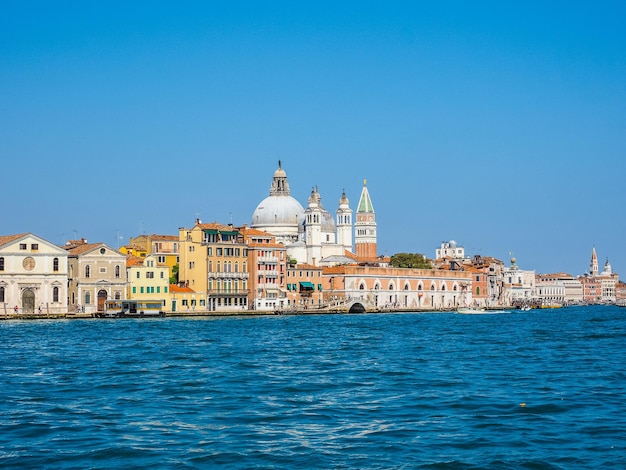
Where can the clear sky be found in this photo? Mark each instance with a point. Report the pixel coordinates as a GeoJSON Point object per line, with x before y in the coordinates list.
{"type": "Point", "coordinates": [501, 125]}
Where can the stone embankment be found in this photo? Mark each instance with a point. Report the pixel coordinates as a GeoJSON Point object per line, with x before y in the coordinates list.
{"type": "Point", "coordinates": [205, 313]}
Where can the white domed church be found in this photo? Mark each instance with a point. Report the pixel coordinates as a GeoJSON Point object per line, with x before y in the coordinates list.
{"type": "Point", "coordinates": [311, 235]}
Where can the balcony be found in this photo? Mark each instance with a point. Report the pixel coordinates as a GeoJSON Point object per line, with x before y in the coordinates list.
{"type": "Point", "coordinates": [223, 275]}
{"type": "Point", "coordinates": [227, 292]}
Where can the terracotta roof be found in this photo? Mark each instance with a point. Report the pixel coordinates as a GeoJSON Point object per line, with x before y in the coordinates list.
{"type": "Point", "coordinates": [217, 226]}
{"type": "Point", "coordinates": [4, 239]}
{"type": "Point", "coordinates": [155, 237]}
{"type": "Point", "coordinates": [334, 270]}
{"type": "Point", "coordinates": [247, 231]}
{"type": "Point", "coordinates": [80, 249]}
{"type": "Point", "coordinates": [305, 266]}
{"type": "Point", "coordinates": [175, 288]}
{"type": "Point", "coordinates": [132, 260]}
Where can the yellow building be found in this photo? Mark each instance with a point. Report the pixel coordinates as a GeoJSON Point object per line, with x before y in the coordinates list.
{"type": "Point", "coordinates": [214, 260]}
{"type": "Point", "coordinates": [147, 279]}
{"type": "Point", "coordinates": [164, 247]}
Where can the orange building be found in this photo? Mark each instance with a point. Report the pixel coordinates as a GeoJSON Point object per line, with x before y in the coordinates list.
{"type": "Point", "coordinates": [304, 286]}
{"type": "Point", "coordinates": [267, 264]}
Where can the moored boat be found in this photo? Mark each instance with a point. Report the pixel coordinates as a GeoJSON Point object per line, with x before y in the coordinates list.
{"type": "Point", "coordinates": [471, 310]}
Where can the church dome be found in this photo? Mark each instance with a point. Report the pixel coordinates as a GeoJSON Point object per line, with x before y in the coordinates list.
{"type": "Point", "coordinates": [279, 214]}
{"type": "Point", "coordinates": [277, 211]}
{"type": "Point", "coordinates": [328, 222]}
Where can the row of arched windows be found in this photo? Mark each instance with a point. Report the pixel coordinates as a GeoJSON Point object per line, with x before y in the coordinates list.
{"type": "Point", "coordinates": [407, 287]}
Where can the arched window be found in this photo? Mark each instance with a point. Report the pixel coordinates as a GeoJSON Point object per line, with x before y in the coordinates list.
{"type": "Point", "coordinates": [87, 272]}
{"type": "Point", "coordinates": [1, 294]}
{"type": "Point", "coordinates": [55, 264]}
{"type": "Point", "coordinates": [406, 287]}
{"type": "Point", "coordinates": [420, 286]}
{"type": "Point", "coordinates": [55, 294]}
{"type": "Point", "coordinates": [390, 286]}
{"type": "Point", "coordinates": [454, 288]}
{"type": "Point", "coordinates": [443, 287]}
{"type": "Point", "coordinates": [362, 286]}
{"type": "Point", "coordinates": [432, 287]}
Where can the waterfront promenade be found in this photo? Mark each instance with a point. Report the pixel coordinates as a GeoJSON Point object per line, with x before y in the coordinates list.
{"type": "Point", "coordinates": [207, 313]}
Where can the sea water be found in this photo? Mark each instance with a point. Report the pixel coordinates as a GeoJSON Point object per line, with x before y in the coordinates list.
{"type": "Point", "coordinates": [539, 389]}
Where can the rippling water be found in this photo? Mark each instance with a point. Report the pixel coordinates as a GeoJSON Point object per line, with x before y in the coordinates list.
{"type": "Point", "coordinates": [539, 389]}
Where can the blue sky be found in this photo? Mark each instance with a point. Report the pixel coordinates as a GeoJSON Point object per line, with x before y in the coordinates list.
{"type": "Point", "coordinates": [500, 125]}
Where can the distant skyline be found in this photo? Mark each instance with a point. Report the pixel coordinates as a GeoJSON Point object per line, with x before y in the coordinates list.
{"type": "Point", "coordinates": [499, 125]}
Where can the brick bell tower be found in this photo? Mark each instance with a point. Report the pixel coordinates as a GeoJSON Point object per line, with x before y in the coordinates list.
{"type": "Point", "coordinates": [365, 227]}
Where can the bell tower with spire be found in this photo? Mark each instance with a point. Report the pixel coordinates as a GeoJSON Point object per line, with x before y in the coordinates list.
{"type": "Point", "coordinates": [365, 227]}
{"type": "Point", "coordinates": [593, 265]}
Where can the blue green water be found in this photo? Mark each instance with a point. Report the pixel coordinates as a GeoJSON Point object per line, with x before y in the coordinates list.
{"type": "Point", "coordinates": [538, 389]}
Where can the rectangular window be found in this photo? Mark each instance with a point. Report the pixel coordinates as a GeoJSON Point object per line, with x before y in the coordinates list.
{"type": "Point", "coordinates": [138, 275]}
{"type": "Point", "coordinates": [209, 251]}
{"type": "Point", "coordinates": [22, 246]}
{"type": "Point", "coordinates": [158, 289]}
{"type": "Point", "coordinates": [150, 275]}
{"type": "Point", "coordinates": [103, 270]}
{"type": "Point", "coordinates": [34, 246]}
{"type": "Point", "coordinates": [2, 264]}
{"type": "Point", "coordinates": [162, 275]}
{"type": "Point", "coordinates": [141, 290]}
{"type": "Point", "coordinates": [134, 289]}
{"type": "Point", "coordinates": [218, 251]}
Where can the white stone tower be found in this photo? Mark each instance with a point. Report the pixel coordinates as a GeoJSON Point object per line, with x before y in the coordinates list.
{"type": "Point", "coordinates": [344, 223]}
{"type": "Point", "coordinates": [313, 227]}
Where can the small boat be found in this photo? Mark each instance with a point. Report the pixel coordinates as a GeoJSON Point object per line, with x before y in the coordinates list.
{"type": "Point", "coordinates": [471, 310]}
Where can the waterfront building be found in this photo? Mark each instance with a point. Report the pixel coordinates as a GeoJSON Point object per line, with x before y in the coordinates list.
{"type": "Point", "coordinates": [374, 287]}
{"type": "Point", "coordinates": [164, 247]}
{"type": "Point", "coordinates": [96, 273]}
{"type": "Point", "coordinates": [592, 289]}
{"type": "Point", "coordinates": [184, 299]}
{"type": "Point", "coordinates": [148, 280]}
{"type": "Point", "coordinates": [599, 287]}
{"type": "Point", "coordinates": [267, 267]}
{"type": "Point", "coordinates": [214, 263]}
{"type": "Point", "coordinates": [33, 275]}
{"type": "Point", "coordinates": [558, 288]}
{"type": "Point", "coordinates": [519, 286]}
{"type": "Point", "coordinates": [304, 286]}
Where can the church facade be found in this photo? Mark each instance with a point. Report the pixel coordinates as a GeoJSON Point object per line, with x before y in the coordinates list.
{"type": "Point", "coordinates": [312, 235]}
